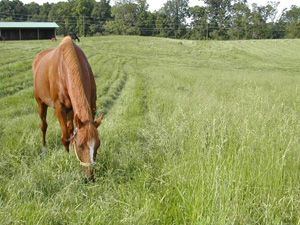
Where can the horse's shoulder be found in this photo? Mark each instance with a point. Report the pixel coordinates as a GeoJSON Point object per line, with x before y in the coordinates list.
{"type": "Point", "coordinates": [42, 58]}
{"type": "Point", "coordinates": [42, 54]}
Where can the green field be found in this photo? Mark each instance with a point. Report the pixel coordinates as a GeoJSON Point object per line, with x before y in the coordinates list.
{"type": "Point", "coordinates": [195, 132]}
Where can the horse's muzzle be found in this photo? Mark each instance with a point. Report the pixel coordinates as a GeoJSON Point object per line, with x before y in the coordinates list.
{"type": "Point", "coordinates": [89, 173]}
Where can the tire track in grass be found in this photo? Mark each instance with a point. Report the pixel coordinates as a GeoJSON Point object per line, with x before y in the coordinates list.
{"type": "Point", "coordinates": [15, 79]}
{"type": "Point", "coordinates": [12, 69]}
{"type": "Point", "coordinates": [110, 77]}
{"type": "Point", "coordinates": [24, 55]}
{"type": "Point", "coordinates": [21, 103]}
{"type": "Point", "coordinates": [127, 120]}
{"type": "Point", "coordinates": [13, 89]}
{"type": "Point", "coordinates": [109, 84]}
{"type": "Point", "coordinates": [8, 61]}
{"type": "Point", "coordinates": [111, 93]}
{"type": "Point", "coordinates": [104, 90]}
{"type": "Point", "coordinates": [18, 83]}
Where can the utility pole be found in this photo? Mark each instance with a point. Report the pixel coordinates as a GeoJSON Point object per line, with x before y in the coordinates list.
{"type": "Point", "coordinates": [207, 31]}
{"type": "Point", "coordinates": [83, 26]}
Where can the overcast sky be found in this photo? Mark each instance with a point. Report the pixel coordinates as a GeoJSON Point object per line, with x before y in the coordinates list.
{"type": "Point", "coordinates": [157, 4]}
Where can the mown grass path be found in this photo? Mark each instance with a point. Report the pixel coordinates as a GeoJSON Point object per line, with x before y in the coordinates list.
{"type": "Point", "coordinates": [195, 132]}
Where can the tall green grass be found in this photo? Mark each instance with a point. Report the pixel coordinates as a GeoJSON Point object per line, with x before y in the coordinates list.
{"type": "Point", "coordinates": [195, 132]}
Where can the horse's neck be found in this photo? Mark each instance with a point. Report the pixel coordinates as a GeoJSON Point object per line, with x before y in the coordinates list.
{"type": "Point", "coordinates": [75, 81]}
{"type": "Point", "coordinates": [79, 99]}
{"type": "Point", "coordinates": [80, 102]}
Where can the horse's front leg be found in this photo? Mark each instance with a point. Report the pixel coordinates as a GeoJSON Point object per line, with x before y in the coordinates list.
{"type": "Point", "coordinates": [61, 114]}
{"type": "Point", "coordinates": [70, 116]}
{"type": "Point", "coordinates": [43, 115]}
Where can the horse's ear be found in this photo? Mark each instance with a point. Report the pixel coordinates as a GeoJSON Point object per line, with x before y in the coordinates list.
{"type": "Point", "coordinates": [98, 121]}
{"type": "Point", "coordinates": [78, 121]}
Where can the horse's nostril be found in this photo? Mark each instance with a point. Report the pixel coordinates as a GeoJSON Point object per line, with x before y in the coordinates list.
{"type": "Point", "coordinates": [90, 179]}
{"type": "Point", "coordinates": [89, 175]}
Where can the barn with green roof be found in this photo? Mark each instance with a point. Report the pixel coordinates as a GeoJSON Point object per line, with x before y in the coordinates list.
{"type": "Point", "coordinates": [28, 30]}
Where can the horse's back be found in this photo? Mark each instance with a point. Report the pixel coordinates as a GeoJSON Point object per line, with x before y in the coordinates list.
{"type": "Point", "coordinates": [51, 69]}
{"type": "Point", "coordinates": [87, 77]}
{"type": "Point", "coordinates": [39, 58]}
{"type": "Point", "coordinates": [43, 70]}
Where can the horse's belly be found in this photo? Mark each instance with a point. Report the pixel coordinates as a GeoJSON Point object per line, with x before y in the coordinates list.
{"type": "Point", "coordinates": [49, 102]}
{"type": "Point", "coordinates": [42, 90]}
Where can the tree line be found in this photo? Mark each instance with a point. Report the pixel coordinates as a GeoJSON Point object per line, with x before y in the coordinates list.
{"type": "Point", "coordinates": [217, 19]}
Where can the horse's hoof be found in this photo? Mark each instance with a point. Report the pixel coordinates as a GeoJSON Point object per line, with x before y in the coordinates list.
{"type": "Point", "coordinates": [44, 152]}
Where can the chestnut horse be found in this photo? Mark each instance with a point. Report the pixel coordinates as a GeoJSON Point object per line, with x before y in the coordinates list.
{"type": "Point", "coordinates": [63, 79]}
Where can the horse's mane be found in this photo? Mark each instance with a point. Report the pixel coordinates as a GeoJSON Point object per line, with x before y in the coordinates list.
{"type": "Point", "coordinates": [77, 94]}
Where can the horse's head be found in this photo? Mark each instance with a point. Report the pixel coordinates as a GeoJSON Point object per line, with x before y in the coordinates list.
{"type": "Point", "coordinates": [86, 143]}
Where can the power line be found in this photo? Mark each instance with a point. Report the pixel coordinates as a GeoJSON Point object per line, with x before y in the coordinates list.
{"type": "Point", "coordinates": [87, 21]}
{"type": "Point", "coordinates": [92, 21]}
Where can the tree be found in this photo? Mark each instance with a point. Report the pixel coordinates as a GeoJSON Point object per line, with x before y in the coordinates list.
{"type": "Point", "coordinates": [83, 10]}
{"type": "Point", "coordinates": [161, 24]}
{"type": "Point", "coordinates": [33, 11]}
{"type": "Point", "coordinates": [259, 20]}
{"type": "Point", "coordinates": [145, 19]}
{"type": "Point", "coordinates": [125, 19]}
{"type": "Point", "coordinates": [100, 14]}
{"type": "Point", "coordinates": [175, 13]}
{"type": "Point", "coordinates": [13, 10]}
{"type": "Point", "coordinates": [199, 16]}
{"type": "Point", "coordinates": [44, 11]}
{"type": "Point", "coordinates": [272, 13]}
{"type": "Point", "coordinates": [291, 19]}
{"type": "Point", "coordinates": [61, 14]}
{"type": "Point", "coordinates": [219, 17]}
{"type": "Point", "coordinates": [240, 14]}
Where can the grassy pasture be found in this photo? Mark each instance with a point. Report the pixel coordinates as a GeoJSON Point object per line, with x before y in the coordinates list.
{"type": "Point", "coordinates": [195, 132]}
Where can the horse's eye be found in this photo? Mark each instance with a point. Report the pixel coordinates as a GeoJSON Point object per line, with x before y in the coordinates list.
{"type": "Point", "coordinates": [81, 147]}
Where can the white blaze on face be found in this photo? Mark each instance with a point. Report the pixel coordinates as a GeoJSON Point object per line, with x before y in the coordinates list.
{"type": "Point", "coordinates": [92, 146]}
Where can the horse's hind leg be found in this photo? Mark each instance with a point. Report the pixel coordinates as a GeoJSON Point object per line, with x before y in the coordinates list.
{"type": "Point", "coordinates": [43, 115]}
